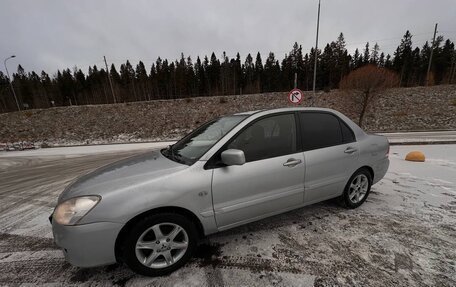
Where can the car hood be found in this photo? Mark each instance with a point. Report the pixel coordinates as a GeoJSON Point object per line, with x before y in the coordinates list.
{"type": "Point", "coordinates": [122, 175]}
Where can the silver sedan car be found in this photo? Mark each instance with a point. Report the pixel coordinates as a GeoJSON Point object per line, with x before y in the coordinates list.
{"type": "Point", "coordinates": [149, 211]}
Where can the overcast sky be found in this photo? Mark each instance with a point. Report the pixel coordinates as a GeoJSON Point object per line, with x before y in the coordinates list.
{"type": "Point", "coordinates": [55, 34]}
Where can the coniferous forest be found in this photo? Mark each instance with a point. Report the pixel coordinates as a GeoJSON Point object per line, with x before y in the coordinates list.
{"type": "Point", "coordinates": [213, 75]}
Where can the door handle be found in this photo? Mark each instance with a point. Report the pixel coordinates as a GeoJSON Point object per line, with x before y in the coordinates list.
{"type": "Point", "coordinates": [292, 162]}
{"type": "Point", "coordinates": [349, 150]}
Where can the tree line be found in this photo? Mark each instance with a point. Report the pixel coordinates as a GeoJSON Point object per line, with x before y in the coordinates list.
{"type": "Point", "coordinates": [213, 76]}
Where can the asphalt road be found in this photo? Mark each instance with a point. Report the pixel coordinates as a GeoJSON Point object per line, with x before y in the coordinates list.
{"type": "Point", "coordinates": [403, 235]}
{"type": "Point", "coordinates": [421, 137]}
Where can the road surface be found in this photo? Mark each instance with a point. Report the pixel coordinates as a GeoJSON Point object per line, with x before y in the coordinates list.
{"type": "Point", "coordinates": [403, 235]}
{"type": "Point", "coordinates": [421, 137]}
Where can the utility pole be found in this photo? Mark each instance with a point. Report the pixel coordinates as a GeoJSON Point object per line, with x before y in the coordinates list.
{"type": "Point", "coordinates": [316, 50]}
{"type": "Point", "coordinates": [109, 78]}
{"type": "Point", "coordinates": [11, 82]}
{"type": "Point", "coordinates": [430, 58]}
{"type": "Point", "coordinates": [296, 81]}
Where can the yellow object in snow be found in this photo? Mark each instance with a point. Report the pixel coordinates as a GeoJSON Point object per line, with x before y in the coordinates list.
{"type": "Point", "coordinates": [415, 156]}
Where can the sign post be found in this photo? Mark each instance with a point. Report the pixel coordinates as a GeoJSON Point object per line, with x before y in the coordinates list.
{"type": "Point", "coordinates": [295, 96]}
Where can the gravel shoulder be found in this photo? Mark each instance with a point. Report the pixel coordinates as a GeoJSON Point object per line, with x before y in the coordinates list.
{"type": "Point", "coordinates": [399, 109]}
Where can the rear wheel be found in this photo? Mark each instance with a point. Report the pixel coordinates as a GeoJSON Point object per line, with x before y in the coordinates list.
{"type": "Point", "coordinates": [160, 244]}
{"type": "Point", "coordinates": [357, 189]}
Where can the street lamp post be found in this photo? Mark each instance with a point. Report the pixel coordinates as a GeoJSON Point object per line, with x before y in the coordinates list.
{"type": "Point", "coordinates": [316, 50]}
{"type": "Point", "coordinates": [11, 83]}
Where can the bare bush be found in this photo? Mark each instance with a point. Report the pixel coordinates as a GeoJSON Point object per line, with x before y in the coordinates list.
{"type": "Point", "coordinates": [368, 81]}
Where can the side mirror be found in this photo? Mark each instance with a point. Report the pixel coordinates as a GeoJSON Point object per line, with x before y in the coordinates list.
{"type": "Point", "coordinates": [233, 157]}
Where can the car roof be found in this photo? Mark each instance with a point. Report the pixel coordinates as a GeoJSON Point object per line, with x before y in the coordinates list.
{"type": "Point", "coordinates": [277, 110]}
{"type": "Point", "coordinates": [248, 113]}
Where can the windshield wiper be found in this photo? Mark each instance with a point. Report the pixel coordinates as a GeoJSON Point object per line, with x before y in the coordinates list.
{"type": "Point", "coordinates": [168, 152]}
{"type": "Point", "coordinates": [178, 157]}
{"type": "Point", "coordinates": [172, 155]}
{"type": "Point", "coordinates": [171, 151]}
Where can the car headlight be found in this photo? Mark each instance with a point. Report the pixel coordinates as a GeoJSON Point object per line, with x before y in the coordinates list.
{"type": "Point", "coordinates": [72, 210]}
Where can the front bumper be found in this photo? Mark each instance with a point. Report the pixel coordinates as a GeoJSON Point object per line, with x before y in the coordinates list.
{"type": "Point", "coordinates": [87, 245]}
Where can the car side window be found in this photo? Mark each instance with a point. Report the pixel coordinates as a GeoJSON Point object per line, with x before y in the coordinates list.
{"type": "Point", "coordinates": [320, 130]}
{"type": "Point", "coordinates": [347, 133]}
{"type": "Point", "coordinates": [267, 138]}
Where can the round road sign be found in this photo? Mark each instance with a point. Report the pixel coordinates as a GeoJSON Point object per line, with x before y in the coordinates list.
{"type": "Point", "coordinates": [295, 96]}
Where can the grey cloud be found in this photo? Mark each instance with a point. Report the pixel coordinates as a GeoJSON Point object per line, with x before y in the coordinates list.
{"type": "Point", "coordinates": [53, 34]}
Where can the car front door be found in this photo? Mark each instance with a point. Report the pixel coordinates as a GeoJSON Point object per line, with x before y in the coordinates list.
{"type": "Point", "coordinates": [331, 154]}
{"type": "Point", "coordinates": [271, 180]}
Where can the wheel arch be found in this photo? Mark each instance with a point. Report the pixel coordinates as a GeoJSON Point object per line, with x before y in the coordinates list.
{"type": "Point", "coordinates": [168, 209]}
{"type": "Point", "coordinates": [369, 169]}
{"type": "Point", "coordinates": [366, 167]}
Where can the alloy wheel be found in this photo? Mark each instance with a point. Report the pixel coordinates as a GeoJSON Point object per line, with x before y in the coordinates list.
{"type": "Point", "coordinates": [161, 245]}
{"type": "Point", "coordinates": [358, 188]}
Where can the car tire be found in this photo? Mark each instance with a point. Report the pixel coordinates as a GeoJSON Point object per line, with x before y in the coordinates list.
{"type": "Point", "coordinates": [148, 253]}
{"type": "Point", "coordinates": [357, 189]}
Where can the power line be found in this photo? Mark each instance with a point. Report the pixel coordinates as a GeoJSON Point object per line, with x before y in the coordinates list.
{"type": "Point", "coordinates": [383, 40]}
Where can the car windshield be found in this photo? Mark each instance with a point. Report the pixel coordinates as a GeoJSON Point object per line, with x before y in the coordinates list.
{"type": "Point", "coordinates": [190, 148]}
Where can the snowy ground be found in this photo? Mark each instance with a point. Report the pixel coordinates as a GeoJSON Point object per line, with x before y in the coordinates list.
{"type": "Point", "coordinates": [403, 235]}
{"type": "Point", "coordinates": [85, 150]}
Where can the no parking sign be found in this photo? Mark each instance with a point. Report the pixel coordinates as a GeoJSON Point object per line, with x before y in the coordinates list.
{"type": "Point", "coordinates": [295, 96]}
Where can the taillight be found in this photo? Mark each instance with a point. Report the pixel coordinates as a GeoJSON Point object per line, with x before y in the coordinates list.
{"type": "Point", "coordinates": [388, 151]}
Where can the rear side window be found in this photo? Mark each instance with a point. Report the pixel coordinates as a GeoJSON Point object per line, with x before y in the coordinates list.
{"type": "Point", "coordinates": [320, 130]}
{"type": "Point", "coordinates": [347, 133]}
{"type": "Point", "coordinates": [267, 138]}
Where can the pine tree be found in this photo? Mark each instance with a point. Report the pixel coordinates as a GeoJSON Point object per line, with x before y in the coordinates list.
{"type": "Point", "coordinates": [342, 60]}
{"type": "Point", "coordinates": [356, 60]}
{"type": "Point", "coordinates": [200, 77]}
{"type": "Point", "coordinates": [258, 73]}
{"type": "Point", "coordinates": [375, 54]}
{"type": "Point", "coordinates": [214, 74]}
{"type": "Point", "coordinates": [381, 60]}
{"type": "Point", "coordinates": [238, 78]}
{"type": "Point", "coordinates": [327, 67]}
{"type": "Point", "coordinates": [181, 77]}
{"type": "Point", "coordinates": [80, 87]}
{"type": "Point", "coordinates": [142, 80]}
{"type": "Point", "coordinates": [388, 62]}
{"type": "Point", "coordinates": [225, 72]}
{"type": "Point", "coordinates": [443, 60]}
{"type": "Point", "coordinates": [271, 80]}
{"type": "Point", "coordinates": [190, 78]}
{"type": "Point", "coordinates": [207, 71]}
{"type": "Point", "coordinates": [403, 58]}
{"type": "Point", "coordinates": [116, 82]}
{"type": "Point", "coordinates": [366, 55]}
{"type": "Point", "coordinates": [249, 75]}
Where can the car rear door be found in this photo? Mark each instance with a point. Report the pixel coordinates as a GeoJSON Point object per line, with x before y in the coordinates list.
{"type": "Point", "coordinates": [271, 180]}
{"type": "Point", "coordinates": [331, 154]}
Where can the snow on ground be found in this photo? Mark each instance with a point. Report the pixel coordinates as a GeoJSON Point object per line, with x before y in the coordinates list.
{"type": "Point", "coordinates": [26, 157]}
{"type": "Point", "coordinates": [403, 235]}
{"type": "Point", "coordinates": [85, 150]}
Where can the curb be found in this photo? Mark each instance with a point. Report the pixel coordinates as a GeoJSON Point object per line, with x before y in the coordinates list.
{"type": "Point", "coordinates": [423, 142]}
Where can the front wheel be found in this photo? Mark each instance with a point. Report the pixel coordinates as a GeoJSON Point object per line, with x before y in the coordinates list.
{"type": "Point", "coordinates": [160, 244]}
{"type": "Point", "coordinates": [357, 188]}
